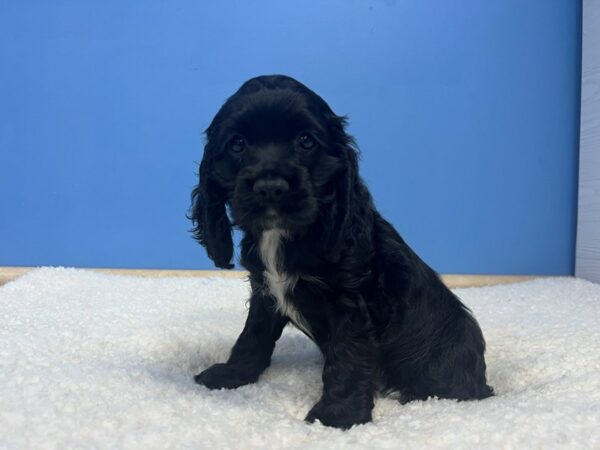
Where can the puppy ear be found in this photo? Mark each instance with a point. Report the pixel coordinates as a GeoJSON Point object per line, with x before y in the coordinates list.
{"type": "Point", "coordinates": [351, 196]}
{"type": "Point", "coordinates": [212, 227]}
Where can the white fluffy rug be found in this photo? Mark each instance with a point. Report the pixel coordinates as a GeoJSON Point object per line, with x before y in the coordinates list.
{"type": "Point", "coordinates": [98, 361]}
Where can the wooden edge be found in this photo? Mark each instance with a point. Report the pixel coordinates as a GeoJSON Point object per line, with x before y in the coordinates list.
{"type": "Point", "coordinates": [454, 281]}
{"type": "Point", "coordinates": [11, 273]}
{"type": "Point", "coordinates": [463, 281]}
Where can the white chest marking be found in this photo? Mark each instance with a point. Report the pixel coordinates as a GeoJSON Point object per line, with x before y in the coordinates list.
{"type": "Point", "coordinates": [280, 284]}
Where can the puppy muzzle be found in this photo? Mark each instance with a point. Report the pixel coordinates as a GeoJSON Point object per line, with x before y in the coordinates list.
{"type": "Point", "coordinates": [273, 195]}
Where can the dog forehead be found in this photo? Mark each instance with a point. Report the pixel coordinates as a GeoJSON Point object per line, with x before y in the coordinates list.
{"type": "Point", "coordinates": [273, 115]}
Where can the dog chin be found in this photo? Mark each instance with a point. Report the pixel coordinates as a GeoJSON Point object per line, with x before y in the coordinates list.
{"type": "Point", "coordinates": [259, 219]}
{"type": "Point", "coordinates": [271, 219]}
{"type": "Point", "coordinates": [275, 220]}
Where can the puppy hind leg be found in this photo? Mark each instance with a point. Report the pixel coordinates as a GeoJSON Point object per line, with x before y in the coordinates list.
{"type": "Point", "coordinates": [458, 373]}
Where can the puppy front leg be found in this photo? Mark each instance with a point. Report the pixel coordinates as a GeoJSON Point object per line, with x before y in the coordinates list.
{"type": "Point", "coordinates": [251, 354]}
{"type": "Point", "coordinates": [348, 376]}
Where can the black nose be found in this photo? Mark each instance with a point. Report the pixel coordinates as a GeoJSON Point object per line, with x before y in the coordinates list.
{"type": "Point", "coordinates": [270, 188]}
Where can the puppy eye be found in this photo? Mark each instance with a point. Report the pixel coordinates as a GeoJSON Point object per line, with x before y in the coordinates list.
{"type": "Point", "coordinates": [237, 144]}
{"type": "Point", "coordinates": [306, 141]}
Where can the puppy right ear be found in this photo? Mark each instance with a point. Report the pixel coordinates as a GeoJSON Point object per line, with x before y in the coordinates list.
{"type": "Point", "coordinates": [212, 227]}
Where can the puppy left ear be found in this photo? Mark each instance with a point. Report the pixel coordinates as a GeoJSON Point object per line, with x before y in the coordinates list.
{"type": "Point", "coordinates": [212, 227]}
{"type": "Point", "coordinates": [350, 191]}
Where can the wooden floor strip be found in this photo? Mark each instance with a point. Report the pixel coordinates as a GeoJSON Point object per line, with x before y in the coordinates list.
{"type": "Point", "coordinates": [10, 273]}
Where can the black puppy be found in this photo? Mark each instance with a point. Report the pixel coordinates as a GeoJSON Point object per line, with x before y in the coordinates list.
{"type": "Point", "coordinates": [321, 257]}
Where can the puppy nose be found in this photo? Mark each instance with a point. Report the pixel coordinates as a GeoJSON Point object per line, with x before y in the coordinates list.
{"type": "Point", "coordinates": [270, 188]}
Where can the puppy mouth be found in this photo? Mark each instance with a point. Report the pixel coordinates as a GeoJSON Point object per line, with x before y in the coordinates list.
{"type": "Point", "coordinates": [272, 219]}
{"type": "Point", "coordinates": [294, 216]}
{"type": "Point", "coordinates": [293, 210]}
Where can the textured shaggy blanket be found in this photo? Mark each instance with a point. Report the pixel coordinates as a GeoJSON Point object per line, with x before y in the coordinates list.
{"type": "Point", "coordinates": [100, 361]}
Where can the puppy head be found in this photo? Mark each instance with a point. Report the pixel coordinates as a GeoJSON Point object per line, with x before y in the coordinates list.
{"type": "Point", "coordinates": [278, 157]}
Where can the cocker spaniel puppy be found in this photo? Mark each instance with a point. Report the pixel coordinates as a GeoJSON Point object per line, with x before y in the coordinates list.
{"type": "Point", "coordinates": [322, 258]}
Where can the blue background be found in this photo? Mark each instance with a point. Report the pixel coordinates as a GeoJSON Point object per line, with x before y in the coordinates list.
{"type": "Point", "coordinates": [466, 112]}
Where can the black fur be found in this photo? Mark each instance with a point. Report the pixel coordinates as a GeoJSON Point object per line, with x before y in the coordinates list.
{"type": "Point", "coordinates": [381, 317]}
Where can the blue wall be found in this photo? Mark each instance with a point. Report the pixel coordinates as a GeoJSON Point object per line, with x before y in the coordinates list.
{"type": "Point", "coordinates": [471, 106]}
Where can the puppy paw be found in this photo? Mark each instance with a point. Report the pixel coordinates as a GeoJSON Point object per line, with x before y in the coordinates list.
{"type": "Point", "coordinates": [223, 376]}
{"type": "Point", "coordinates": [339, 415]}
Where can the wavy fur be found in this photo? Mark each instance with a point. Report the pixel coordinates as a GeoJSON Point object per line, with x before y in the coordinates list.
{"type": "Point", "coordinates": [382, 318]}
